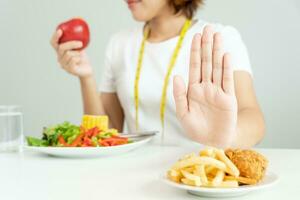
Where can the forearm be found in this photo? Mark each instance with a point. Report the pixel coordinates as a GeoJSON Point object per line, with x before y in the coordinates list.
{"type": "Point", "coordinates": [113, 109]}
{"type": "Point", "coordinates": [250, 128]}
{"type": "Point", "coordinates": [92, 103]}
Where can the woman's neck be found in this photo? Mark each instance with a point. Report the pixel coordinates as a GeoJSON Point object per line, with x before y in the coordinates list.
{"type": "Point", "coordinates": [165, 27]}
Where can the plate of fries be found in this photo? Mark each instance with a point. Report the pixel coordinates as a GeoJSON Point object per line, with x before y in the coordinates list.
{"type": "Point", "coordinates": [212, 174]}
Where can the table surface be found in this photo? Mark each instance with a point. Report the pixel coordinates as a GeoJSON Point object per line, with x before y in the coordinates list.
{"type": "Point", "coordinates": [134, 175]}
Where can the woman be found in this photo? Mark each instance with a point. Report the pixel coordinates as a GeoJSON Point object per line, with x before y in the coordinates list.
{"type": "Point", "coordinates": [218, 107]}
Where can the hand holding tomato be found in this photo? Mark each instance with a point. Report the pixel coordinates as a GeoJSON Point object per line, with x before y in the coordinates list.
{"type": "Point", "coordinates": [69, 40]}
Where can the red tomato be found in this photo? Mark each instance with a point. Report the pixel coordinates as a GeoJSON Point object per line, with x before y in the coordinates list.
{"type": "Point", "coordinates": [75, 29]}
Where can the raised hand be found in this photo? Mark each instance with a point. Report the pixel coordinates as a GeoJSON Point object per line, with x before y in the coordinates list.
{"type": "Point", "coordinates": [73, 61]}
{"type": "Point", "coordinates": [207, 110]}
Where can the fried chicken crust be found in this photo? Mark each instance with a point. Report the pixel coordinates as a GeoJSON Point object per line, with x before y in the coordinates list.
{"type": "Point", "coordinates": [250, 163]}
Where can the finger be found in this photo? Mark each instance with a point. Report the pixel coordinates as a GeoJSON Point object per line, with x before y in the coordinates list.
{"type": "Point", "coordinates": [206, 54]}
{"type": "Point", "coordinates": [179, 92]}
{"type": "Point", "coordinates": [67, 57]}
{"type": "Point", "coordinates": [73, 64]}
{"type": "Point", "coordinates": [217, 60]}
{"type": "Point", "coordinates": [83, 54]}
{"type": "Point", "coordinates": [228, 81]}
{"type": "Point", "coordinates": [195, 60]}
{"type": "Point", "coordinates": [55, 38]}
{"type": "Point", "coordinates": [68, 46]}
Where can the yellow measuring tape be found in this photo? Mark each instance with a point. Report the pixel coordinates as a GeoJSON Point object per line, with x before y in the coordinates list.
{"type": "Point", "coordinates": [186, 26]}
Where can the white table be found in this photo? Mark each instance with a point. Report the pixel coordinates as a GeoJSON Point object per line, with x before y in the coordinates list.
{"type": "Point", "coordinates": [133, 176]}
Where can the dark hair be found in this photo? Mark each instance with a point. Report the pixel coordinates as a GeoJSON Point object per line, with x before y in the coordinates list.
{"type": "Point", "coordinates": [186, 7]}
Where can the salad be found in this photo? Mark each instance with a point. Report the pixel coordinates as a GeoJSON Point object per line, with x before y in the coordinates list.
{"type": "Point", "coordinates": [93, 132]}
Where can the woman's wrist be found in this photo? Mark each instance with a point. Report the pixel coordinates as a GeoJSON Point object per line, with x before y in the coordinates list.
{"type": "Point", "coordinates": [229, 141]}
{"type": "Point", "coordinates": [87, 78]}
{"type": "Point", "coordinates": [88, 83]}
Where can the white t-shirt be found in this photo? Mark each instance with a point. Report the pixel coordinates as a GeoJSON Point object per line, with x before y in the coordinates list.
{"type": "Point", "coordinates": [120, 69]}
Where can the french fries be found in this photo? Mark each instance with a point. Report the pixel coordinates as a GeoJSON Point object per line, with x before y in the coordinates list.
{"type": "Point", "coordinates": [198, 160]}
{"type": "Point", "coordinates": [200, 171]}
{"type": "Point", "coordinates": [231, 168]}
{"type": "Point", "coordinates": [217, 181]}
{"type": "Point", "coordinates": [210, 168]}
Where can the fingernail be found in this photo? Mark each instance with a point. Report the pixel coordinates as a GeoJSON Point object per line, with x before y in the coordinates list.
{"type": "Point", "coordinates": [208, 29]}
{"type": "Point", "coordinates": [59, 32]}
{"type": "Point", "coordinates": [197, 36]}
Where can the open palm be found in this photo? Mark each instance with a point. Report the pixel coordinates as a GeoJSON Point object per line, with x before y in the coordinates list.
{"type": "Point", "coordinates": [208, 109]}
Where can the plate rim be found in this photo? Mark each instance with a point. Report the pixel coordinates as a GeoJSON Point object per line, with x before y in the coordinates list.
{"type": "Point", "coordinates": [245, 188]}
{"type": "Point", "coordinates": [145, 140]}
{"type": "Point", "coordinates": [87, 152]}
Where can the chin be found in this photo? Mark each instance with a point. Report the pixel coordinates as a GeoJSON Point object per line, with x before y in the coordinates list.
{"type": "Point", "coordinates": [140, 17]}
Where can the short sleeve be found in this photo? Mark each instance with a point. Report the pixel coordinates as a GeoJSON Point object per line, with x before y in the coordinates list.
{"type": "Point", "coordinates": [234, 45]}
{"type": "Point", "coordinates": [107, 83]}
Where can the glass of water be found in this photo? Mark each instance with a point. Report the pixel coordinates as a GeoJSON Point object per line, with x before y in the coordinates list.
{"type": "Point", "coordinates": [11, 129]}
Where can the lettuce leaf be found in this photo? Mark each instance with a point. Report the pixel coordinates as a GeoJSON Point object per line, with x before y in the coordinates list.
{"type": "Point", "coordinates": [32, 141]}
{"type": "Point", "coordinates": [50, 135]}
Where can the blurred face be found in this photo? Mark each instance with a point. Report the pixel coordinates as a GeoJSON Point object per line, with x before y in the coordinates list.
{"type": "Point", "coordinates": [145, 10]}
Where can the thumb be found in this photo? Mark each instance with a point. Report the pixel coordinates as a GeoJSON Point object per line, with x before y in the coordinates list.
{"type": "Point", "coordinates": [180, 96]}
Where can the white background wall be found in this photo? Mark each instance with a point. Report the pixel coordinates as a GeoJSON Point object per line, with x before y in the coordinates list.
{"type": "Point", "coordinates": [30, 76]}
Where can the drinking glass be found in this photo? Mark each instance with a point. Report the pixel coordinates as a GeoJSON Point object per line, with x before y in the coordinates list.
{"type": "Point", "coordinates": [11, 129]}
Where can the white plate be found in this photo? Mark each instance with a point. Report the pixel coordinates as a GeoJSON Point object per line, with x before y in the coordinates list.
{"type": "Point", "coordinates": [269, 180]}
{"type": "Point", "coordinates": [89, 151]}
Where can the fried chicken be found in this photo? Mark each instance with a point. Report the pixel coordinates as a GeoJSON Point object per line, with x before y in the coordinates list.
{"type": "Point", "coordinates": [250, 163]}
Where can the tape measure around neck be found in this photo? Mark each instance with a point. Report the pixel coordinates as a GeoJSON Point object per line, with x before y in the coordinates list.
{"type": "Point", "coordinates": [171, 65]}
